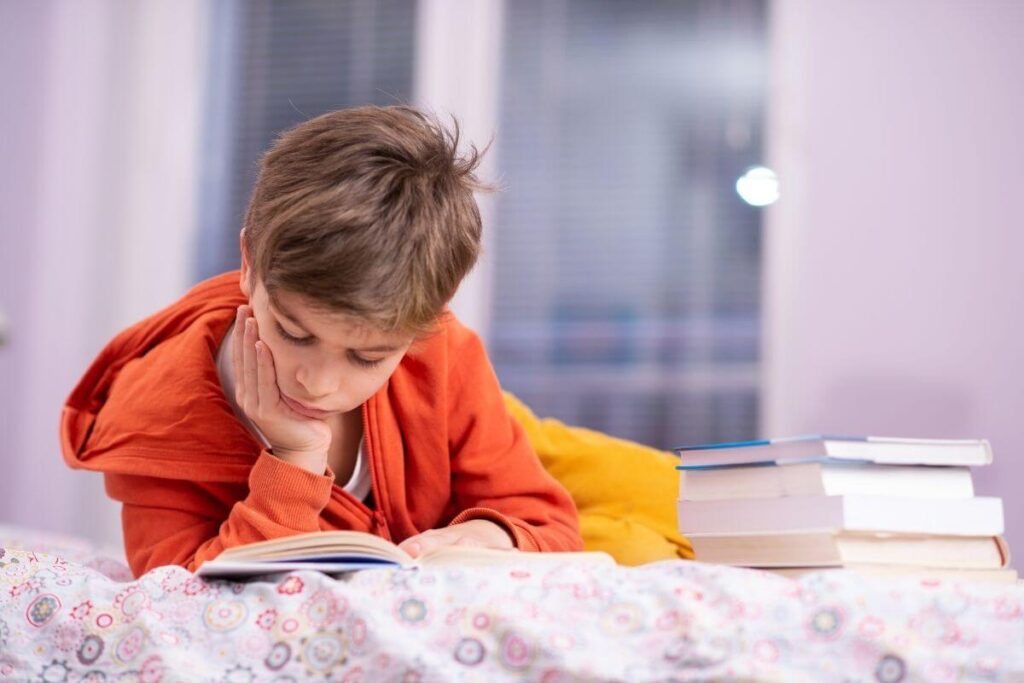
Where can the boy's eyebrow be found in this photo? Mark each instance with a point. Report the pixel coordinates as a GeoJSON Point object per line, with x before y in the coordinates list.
{"type": "Point", "coordinates": [286, 313]}
{"type": "Point", "coordinates": [294, 320]}
{"type": "Point", "coordinates": [379, 349]}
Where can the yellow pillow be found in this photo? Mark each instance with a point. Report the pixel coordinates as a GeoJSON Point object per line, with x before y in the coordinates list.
{"type": "Point", "coordinates": [625, 492]}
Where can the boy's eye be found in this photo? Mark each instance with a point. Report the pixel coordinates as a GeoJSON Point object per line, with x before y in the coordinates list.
{"type": "Point", "coordinates": [299, 341]}
{"type": "Point", "coordinates": [306, 341]}
{"type": "Point", "coordinates": [364, 362]}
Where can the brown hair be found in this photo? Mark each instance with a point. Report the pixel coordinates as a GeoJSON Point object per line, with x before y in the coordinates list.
{"type": "Point", "coordinates": [368, 212]}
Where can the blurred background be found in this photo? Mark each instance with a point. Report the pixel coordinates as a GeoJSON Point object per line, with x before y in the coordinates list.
{"type": "Point", "coordinates": [718, 219]}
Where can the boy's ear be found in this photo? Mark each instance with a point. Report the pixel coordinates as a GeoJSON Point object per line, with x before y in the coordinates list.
{"type": "Point", "coordinates": [244, 276]}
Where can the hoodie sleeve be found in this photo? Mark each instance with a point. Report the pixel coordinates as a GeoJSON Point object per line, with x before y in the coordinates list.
{"type": "Point", "coordinates": [172, 521]}
{"type": "Point", "coordinates": [495, 473]}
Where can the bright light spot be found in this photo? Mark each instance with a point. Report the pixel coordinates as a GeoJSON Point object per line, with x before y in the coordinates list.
{"type": "Point", "coordinates": [759, 186]}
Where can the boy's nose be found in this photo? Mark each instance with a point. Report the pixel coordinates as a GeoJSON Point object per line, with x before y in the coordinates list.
{"type": "Point", "coordinates": [318, 383]}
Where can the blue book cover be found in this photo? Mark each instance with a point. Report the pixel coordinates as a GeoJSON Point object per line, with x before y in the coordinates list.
{"type": "Point", "coordinates": [822, 447]}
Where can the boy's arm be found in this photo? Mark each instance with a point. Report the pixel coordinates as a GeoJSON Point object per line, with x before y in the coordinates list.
{"type": "Point", "coordinates": [495, 473]}
{"type": "Point", "coordinates": [168, 521]}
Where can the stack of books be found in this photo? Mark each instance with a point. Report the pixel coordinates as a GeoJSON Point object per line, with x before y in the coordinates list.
{"type": "Point", "coordinates": [875, 505]}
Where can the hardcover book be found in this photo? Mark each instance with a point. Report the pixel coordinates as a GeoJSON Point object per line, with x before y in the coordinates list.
{"type": "Point", "coordinates": [876, 449]}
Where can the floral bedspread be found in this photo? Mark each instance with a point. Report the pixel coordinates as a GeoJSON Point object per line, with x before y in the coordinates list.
{"type": "Point", "coordinates": [69, 613]}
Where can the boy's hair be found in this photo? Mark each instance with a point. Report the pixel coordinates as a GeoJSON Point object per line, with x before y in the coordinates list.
{"type": "Point", "coordinates": [368, 212]}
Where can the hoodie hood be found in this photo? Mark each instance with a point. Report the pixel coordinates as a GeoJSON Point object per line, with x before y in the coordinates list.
{"type": "Point", "coordinates": [147, 403]}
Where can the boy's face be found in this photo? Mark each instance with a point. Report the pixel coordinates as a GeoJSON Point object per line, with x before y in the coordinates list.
{"type": "Point", "coordinates": [324, 361]}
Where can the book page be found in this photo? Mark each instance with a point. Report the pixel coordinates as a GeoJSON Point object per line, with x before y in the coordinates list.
{"type": "Point", "coordinates": [466, 556]}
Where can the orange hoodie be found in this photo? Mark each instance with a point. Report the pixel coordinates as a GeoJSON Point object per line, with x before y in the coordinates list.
{"type": "Point", "coordinates": [151, 415]}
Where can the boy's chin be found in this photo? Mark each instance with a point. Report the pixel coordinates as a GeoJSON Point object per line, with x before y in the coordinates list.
{"type": "Point", "coordinates": [306, 410]}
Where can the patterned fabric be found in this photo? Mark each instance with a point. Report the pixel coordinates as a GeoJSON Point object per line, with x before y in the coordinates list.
{"type": "Point", "coordinates": [68, 613]}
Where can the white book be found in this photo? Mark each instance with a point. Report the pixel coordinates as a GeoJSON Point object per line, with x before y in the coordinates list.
{"type": "Point", "coordinates": [951, 517]}
{"type": "Point", "coordinates": [825, 477]}
{"type": "Point", "coordinates": [877, 449]}
{"type": "Point", "coordinates": [831, 548]}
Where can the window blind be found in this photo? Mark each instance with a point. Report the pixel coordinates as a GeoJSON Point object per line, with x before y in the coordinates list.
{"type": "Point", "coordinates": [275, 63]}
{"type": "Point", "coordinates": [627, 269]}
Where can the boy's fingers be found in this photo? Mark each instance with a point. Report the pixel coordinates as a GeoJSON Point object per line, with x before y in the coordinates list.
{"type": "Point", "coordinates": [249, 371]}
{"type": "Point", "coordinates": [419, 544]}
{"type": "Point", "coordinates": [427, 544]}
{"type": "Point", "coordinates": [269, 394]}
{"type": "Point", "coordinates": [236, 354]}
{"type": "Point", "coordinates": [433, 538]}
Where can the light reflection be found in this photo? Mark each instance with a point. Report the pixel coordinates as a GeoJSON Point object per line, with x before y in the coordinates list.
{"type": "Point", "coordinates": [759, 186]}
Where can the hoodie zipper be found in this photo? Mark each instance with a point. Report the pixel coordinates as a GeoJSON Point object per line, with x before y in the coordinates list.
{"type": "Point", "coordinates": [378, 520]}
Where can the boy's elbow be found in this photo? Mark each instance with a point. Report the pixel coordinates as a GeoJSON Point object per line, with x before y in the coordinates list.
{"type": "Point", "coordinates": [570, 539]}
{"type": "Point", "coordinates": [146, 550]}
{"type": "Point", "coordinates": [144, 560]}
{"type": "Point", "coordinates": [557, 535]}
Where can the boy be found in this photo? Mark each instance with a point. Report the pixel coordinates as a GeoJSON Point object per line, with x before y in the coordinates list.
{"type": "Point", "coordinates": [324, 385]}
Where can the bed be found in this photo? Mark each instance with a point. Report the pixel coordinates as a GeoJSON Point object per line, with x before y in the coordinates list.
{"type": "Point", "coordinates": [71, 612]}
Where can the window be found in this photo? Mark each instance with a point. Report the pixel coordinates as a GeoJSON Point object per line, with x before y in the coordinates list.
{"type": "Point", "coordinates": [276, 63]}
{"type": "Point", "coordinates": [627, 268]}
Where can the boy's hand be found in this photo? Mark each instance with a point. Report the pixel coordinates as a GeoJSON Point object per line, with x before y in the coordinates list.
{"type": "Point", "coordinates": [479, 533]}
{"type": "Point", "coordinates": [297, 439]}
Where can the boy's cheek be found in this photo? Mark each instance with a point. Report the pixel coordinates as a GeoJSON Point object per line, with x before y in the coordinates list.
{"type": "Point", "coordinates": [276, 359]}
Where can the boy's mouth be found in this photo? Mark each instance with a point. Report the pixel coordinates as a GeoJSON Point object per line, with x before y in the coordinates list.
{"type": "Point", "coordinates": [304, 410]}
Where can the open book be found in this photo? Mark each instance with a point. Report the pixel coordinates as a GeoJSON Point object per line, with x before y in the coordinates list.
{"type": "Point", "coordinates": [344, 551]}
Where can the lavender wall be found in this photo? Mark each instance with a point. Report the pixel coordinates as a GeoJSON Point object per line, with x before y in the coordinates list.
{"type": "Point", "coordinates": [100, 112]}
{"type": "Point", "coordinates": [894, 298]}
{"type": "Point", "coordinates": [42, 280]}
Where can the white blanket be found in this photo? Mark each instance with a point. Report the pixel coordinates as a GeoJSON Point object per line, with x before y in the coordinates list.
{"type": "Point", "coordinates": [70, 614]}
